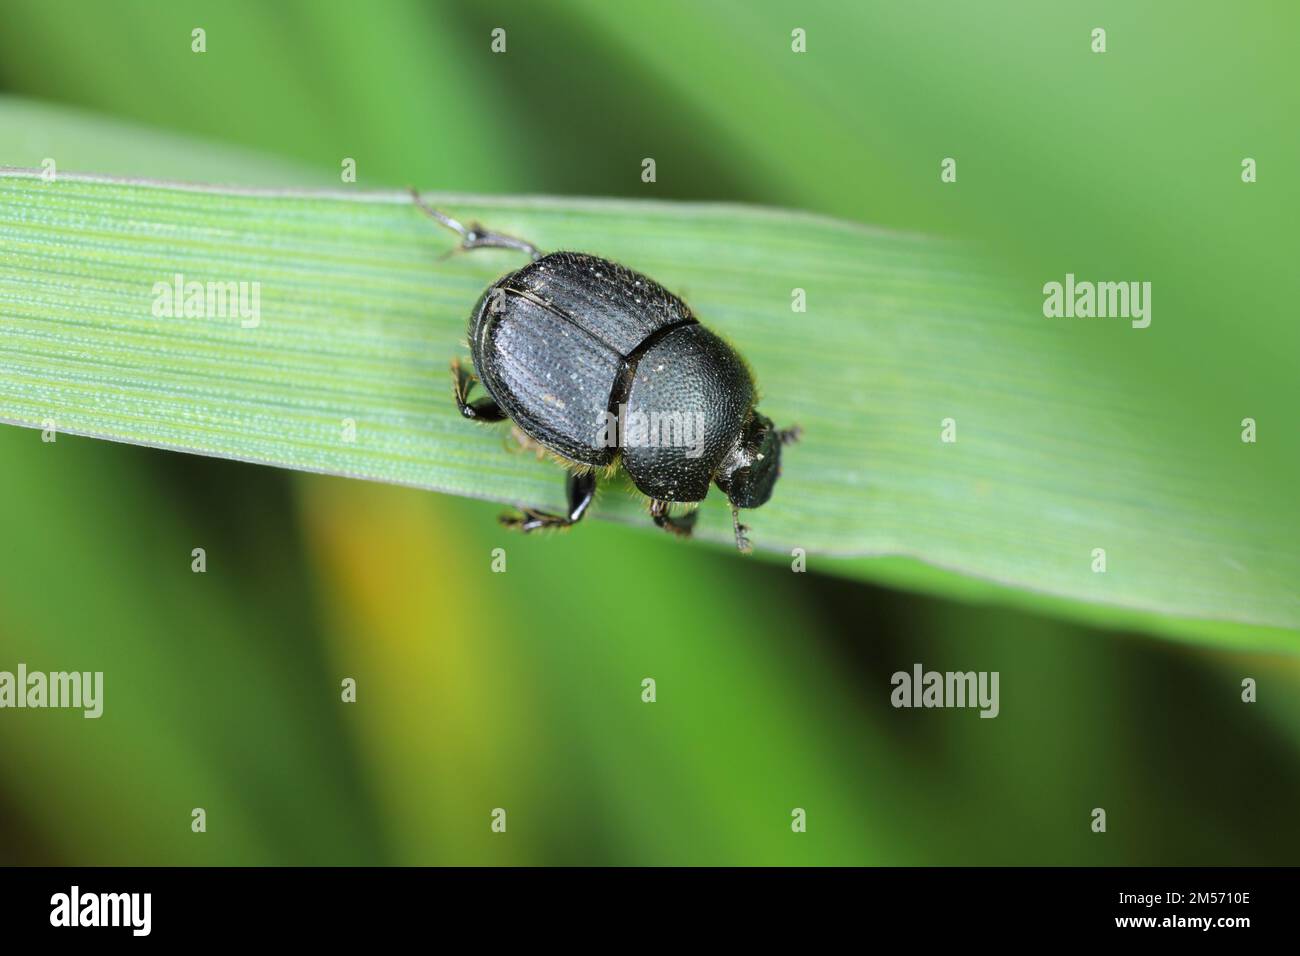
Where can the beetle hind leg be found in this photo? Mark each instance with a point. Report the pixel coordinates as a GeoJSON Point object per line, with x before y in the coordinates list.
{"type": "Point", "coordinates": [679, 525]}
{"type": "Point", "coordinates": [474, 236]}
{"type": "Point", "coordinates": [581, 490]}
{"type": "Point", "coordinates": [481, 409]}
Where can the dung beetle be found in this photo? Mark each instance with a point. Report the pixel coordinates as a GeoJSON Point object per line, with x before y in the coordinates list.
{"type": "Point", "coordinates": [602, 366]}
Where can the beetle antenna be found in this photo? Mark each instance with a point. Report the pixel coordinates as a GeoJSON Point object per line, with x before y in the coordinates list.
{"type": "Point", "coordinates": [742, 540]}
{"type": "Point", "coordinates": [788, 436]}
{"type": "Point", "coordinates": [474, 236]}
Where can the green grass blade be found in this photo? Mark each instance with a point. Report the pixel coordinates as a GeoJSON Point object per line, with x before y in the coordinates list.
{"type": "Point", "coordinates": [359, 319]}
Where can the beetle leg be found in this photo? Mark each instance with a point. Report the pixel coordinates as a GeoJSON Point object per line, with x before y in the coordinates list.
{"type": "Point", "coordinates": [481, 409]}
{"type": "Point", "coordinates": [520, 442]}
{"type": "Point", "coordinates": [582, 491]}
{"type": "Point", "coordinates": [475, 236]}
{"type": "Point", "coordinates": [742, 532]}
{"type": "Point", "coordinates": [680, 525]}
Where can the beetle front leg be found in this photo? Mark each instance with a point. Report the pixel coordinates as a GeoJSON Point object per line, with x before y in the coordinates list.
{"type": "Point", "coordinates": [481, 409]}
{"type": "Point", "coordinates": [680, 525]}
{"type": "Point", "coordinates": [475, 236]}
{"type": "Point", "coordinates": [742, 532]}
{"type": "Point", "coordinates": [581, 490]}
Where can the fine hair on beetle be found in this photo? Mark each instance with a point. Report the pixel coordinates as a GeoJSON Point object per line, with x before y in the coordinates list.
{"type": "Point", "coordinates": [571, 341]}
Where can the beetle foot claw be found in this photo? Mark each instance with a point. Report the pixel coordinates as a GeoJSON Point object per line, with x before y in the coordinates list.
{"type": "Point", "coordinates": [679, 525]}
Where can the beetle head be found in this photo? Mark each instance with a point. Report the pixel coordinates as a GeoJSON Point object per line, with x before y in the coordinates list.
{"type": "Point", "coordinates": [748, 473]}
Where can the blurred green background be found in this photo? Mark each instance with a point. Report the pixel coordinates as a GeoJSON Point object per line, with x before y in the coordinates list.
{"type": "Point", "coordinates": [522, 690]}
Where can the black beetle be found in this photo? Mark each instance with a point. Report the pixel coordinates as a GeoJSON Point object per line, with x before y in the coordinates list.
{"type": "Point", "coordinates": [600, 365]}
